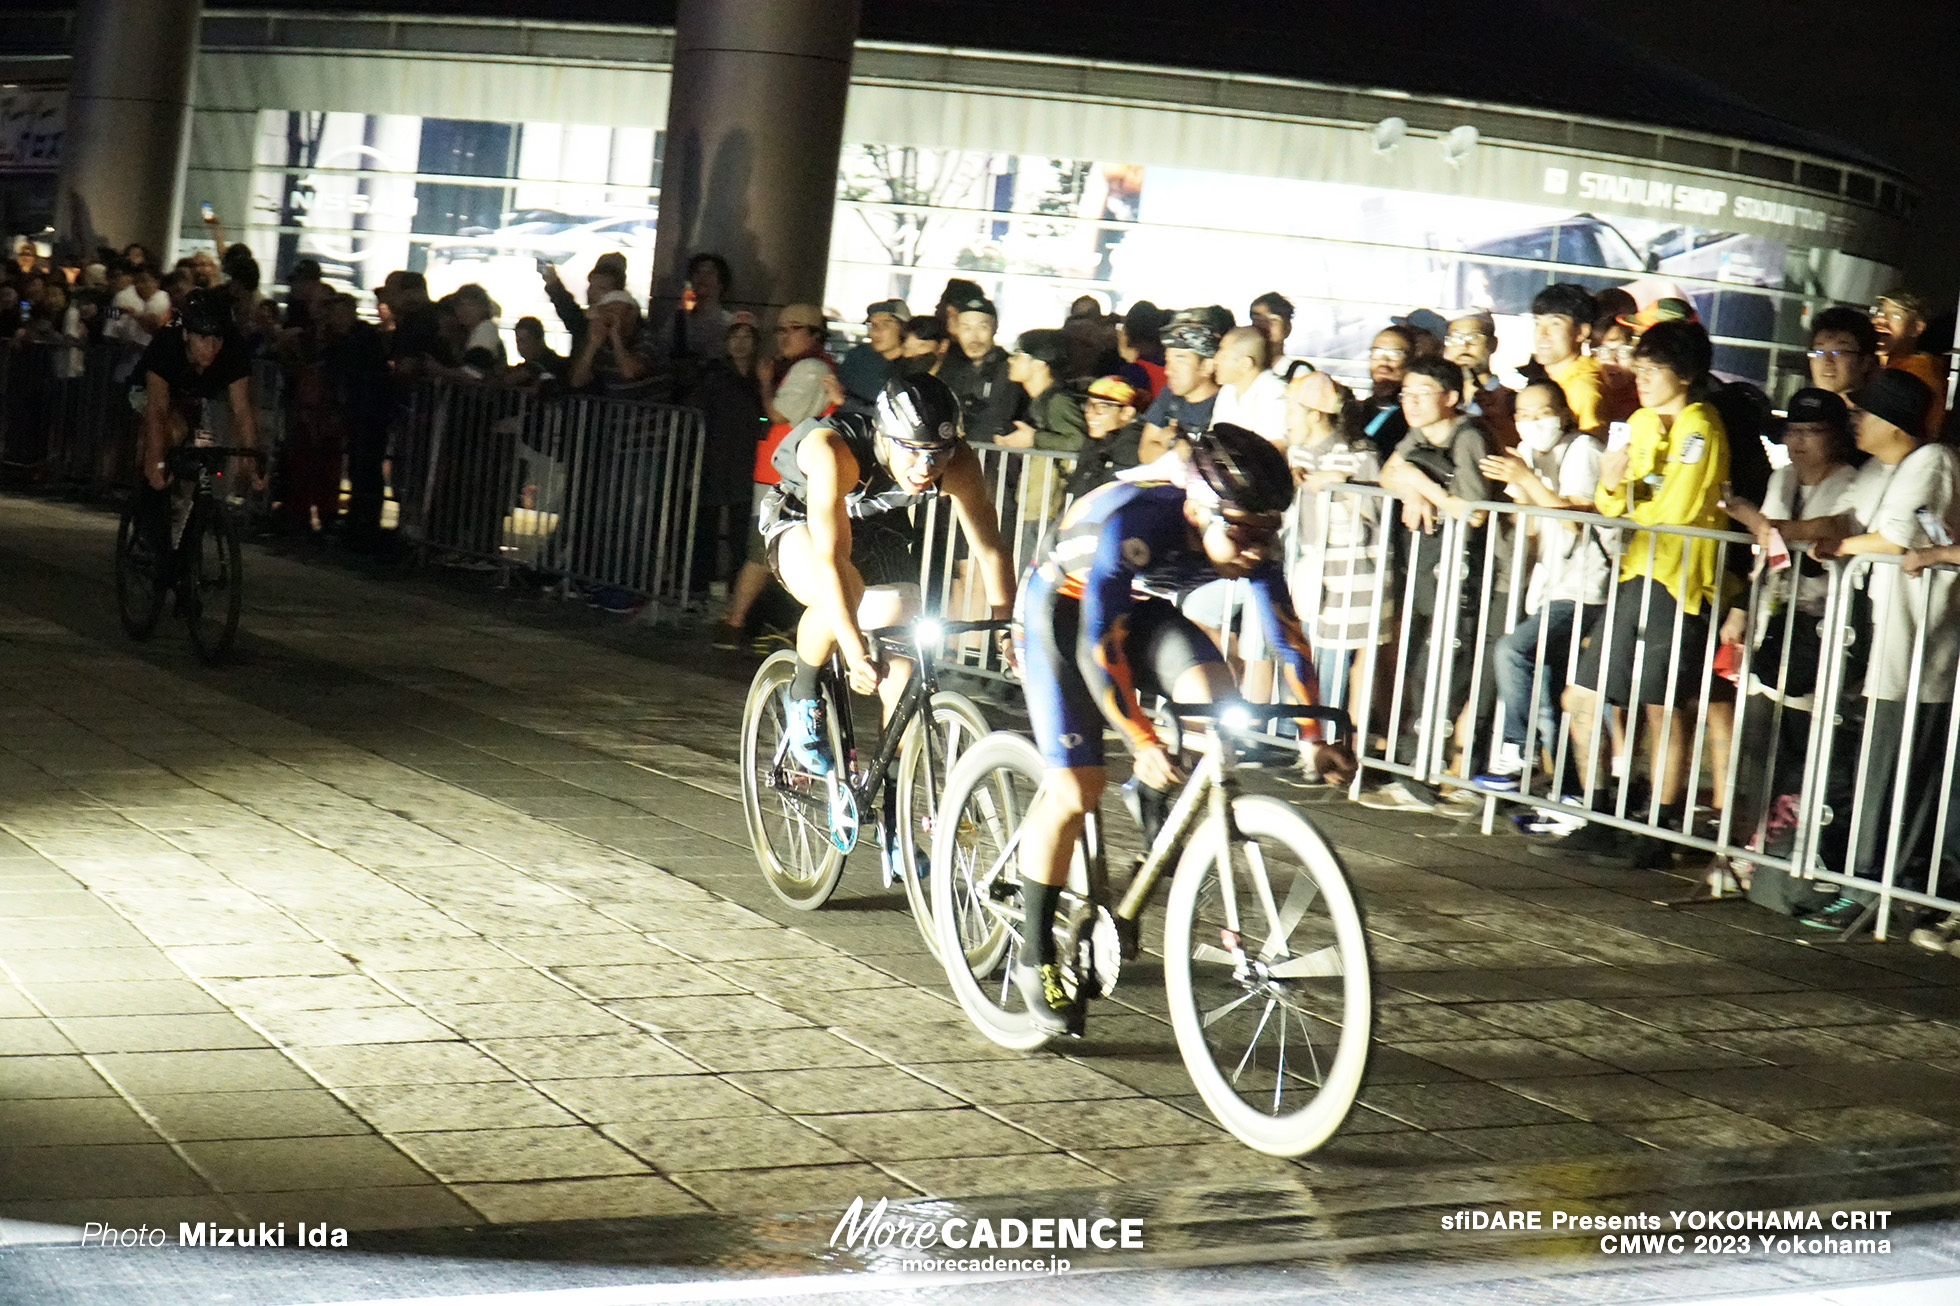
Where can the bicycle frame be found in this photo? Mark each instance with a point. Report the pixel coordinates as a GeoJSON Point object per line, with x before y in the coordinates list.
{"type": "Point", "coordinates": [921, 648]}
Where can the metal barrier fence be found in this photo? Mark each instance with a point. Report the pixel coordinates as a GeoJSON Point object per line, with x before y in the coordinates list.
{"type": "Point", "coordinates": [1787, 755]}
{"type": "Point", "coordinates": [601, 492]}
{"type": "Point", "coordinates": [596, 491]}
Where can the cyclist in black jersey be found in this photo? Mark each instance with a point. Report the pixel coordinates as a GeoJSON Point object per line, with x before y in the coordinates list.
{"type": "Point", "coordinates": [839, 540]}
{"type": "Point", "coordinates": [192, 368]}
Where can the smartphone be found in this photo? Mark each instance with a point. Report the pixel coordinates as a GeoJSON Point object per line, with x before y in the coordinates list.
{"type": "Point", "coordinates": [210, 214]}
{"type": "Point", "coordinates": [1618, 436]}
{"type": "Point", "coordinates": [544, 265]}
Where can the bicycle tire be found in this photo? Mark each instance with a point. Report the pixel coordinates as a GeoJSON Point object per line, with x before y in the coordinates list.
{"type": "Point", "coordinates": [213, 580]}
{"type": "Point", "coordinates": [986, 793]}
{"type": "Point", "coordinates": [139, 598]}
{"type": "Point", "coordinates": [804, 870]}
{"type": "Point", "coordinates": [958, 725]}
{"type": "Point", "coordinates": [1208, 1002]}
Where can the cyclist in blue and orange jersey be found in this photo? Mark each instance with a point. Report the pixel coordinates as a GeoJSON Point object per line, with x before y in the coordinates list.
{"type": "Point", "coordinates": [1096, 626]}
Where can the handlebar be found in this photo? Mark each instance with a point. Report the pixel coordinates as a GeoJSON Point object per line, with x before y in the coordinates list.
{"type": "Point", "coordinates": [929, 630]}
{"type": "Point", "coordinates": [1244, 718]}
{"type": "Point", "coordinates": [208, 453]}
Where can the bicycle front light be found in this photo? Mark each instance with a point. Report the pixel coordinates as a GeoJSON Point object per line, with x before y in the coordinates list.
{"type": "Point", "coordinates": [1235, 718]}
{"type": "Point", "coordinates": [929, 633]}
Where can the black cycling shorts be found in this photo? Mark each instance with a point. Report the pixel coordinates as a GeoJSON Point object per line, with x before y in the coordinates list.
{"type": "Point", "coordinates": [1160, 645]}
{"type": "Point", "coordinates": [883, 549]}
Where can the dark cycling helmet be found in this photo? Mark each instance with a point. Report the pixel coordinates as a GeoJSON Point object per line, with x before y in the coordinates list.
{"type": "Point", "coordinates": [208, 313]}
{"type": "Point", "coordinates": [919, 412]}
{"type": "Point", "coordinates": [1245, 470]}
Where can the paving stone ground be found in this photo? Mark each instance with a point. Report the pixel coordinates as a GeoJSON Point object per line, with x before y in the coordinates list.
{"type": "Point", "coordinates": [436, 909]}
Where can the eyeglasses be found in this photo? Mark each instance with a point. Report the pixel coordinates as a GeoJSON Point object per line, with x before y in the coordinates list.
{"type": "Point", "coordinates": [1388, 355]}
{"type": "Point", "coordinates": [1463, 337]}
{"type": "Point", "coordinates": [1835, 355]}
{"type": "Point", "coordinates": [1423, 392]}
{"type": "Point", "coordinates": [1651, 370]}
{"type": "Point", "coordinates": [1112, 405]}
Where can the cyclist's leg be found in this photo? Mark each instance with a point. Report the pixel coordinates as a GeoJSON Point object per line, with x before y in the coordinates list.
{"type": "Point", "coordinates": [795, 561]}
{"type": "Point", "coordinates": [882, 550]}
{"type": "Point", "coordinates": [1068, 729]}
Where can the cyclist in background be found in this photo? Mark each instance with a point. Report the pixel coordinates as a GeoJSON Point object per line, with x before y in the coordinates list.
{"type": "Point", "coordinates": [1096, 626]}
{"type": "Point", "coordinates": [838, 537]}
{"type": "Point", "coordinates": [191, 368]}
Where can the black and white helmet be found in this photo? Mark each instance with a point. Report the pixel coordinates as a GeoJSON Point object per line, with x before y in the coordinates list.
{"type": "Point", "coordinates": [919, 412]}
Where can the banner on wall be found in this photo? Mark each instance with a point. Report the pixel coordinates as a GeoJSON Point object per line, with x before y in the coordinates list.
{"type": "Point", "coordinates": [31, 124]}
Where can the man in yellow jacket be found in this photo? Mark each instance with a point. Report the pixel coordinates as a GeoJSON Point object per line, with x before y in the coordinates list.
{"type": "Point", "coordinates": [1647, 648]}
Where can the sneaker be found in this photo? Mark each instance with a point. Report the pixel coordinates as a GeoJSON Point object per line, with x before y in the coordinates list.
{"type": "Point", "coordinates": [1603, 846]}
{"type": "Point", "coordinates": [1937, 938]}
{"type": "Point", "coordinates": [619, 602]}
{"type": "Point", "coordinates": [1046, 999]}
{"type": "Point", "coordinates": [725, 636]}
{"type": "Point", "coordinates": [809, 735]}
{"type": "Point", "coordinates": [1400, 796]}
{"type": "Point", "coordinates": [1506, 769]}
{"type": "Point", "coordinates": [1840, 913]}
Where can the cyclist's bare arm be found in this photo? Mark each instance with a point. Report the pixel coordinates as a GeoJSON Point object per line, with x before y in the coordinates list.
{"type": "Point", "coordinates": [963, 483]}
{"type": "Point", "coordinates": [245, 426]}
{"type": "Point", "coordinates": [156, 429]}
{"type": "Point", "coordinates": [829, 468]}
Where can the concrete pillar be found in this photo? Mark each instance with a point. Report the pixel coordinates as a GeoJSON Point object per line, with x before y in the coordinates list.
{"type": "Point", "coordinates": [754, 124]}
{"type": "Point", "coordinates": [128, 129]}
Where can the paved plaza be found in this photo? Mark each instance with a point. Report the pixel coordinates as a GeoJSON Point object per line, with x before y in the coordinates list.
{"type": "Point", "coordinates": [436, 909]}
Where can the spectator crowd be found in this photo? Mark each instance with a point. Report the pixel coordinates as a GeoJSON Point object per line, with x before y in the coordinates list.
{"type": "Point", "coordinates": [1614, 642]}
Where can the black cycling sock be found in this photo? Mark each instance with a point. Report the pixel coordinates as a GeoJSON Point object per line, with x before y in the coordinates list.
{"type": "Point", "coordinates": [803, 685]}
{"type": "Point", "coordinates": [1040, 902]}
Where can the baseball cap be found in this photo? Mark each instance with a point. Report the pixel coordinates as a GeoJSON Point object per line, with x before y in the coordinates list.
{"type": "Point", "coordinates": [1424, 319]}
{"type": "Point", "coordinates": [1910, 300]}
{"type": "Point", "coordinates": [745, 318]}
{"type": "Point", "coordinates": [1813, 406]}
{"type": "Point", "coordinates": [1115, 389]}
{"type": "Point", "coordinates": [803, 315]}
{"type": "Point", "coordinates": [890, 307]}
{"type": "Point", "coordinates": [1671, 309]}
{"type": "Point", "coordinates": [978, 304]}
{"type": "Point", "coordinates": [1896, 397]}
{"type": "Point", "coordinates": [1197, 337]}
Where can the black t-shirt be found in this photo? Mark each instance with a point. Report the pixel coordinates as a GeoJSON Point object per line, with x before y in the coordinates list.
{"type": "Point", "coordinates": [1193, 416]}
{"type": "Point", "coordinates": [418, 334]}
{"type": "Point", "coordinates": [189, 387]}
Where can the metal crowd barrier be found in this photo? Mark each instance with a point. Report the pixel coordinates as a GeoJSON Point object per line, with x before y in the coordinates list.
{"type": "Point", "coordinates": [1802, 783]}
{"type": "Point", "coordinates": [596, 491]}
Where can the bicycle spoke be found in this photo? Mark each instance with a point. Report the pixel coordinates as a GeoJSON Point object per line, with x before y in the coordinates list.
{"type": "Point", "coordinates": [1299, 897]}
{"type": "Point", "coordinates": [1319, 964]}
{"type": "Point", "coordinates": [1217, 1014]}
{"type": "Point", "coordinates": [1253, 1042]}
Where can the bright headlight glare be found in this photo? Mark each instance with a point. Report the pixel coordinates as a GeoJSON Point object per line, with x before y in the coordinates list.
{"type": "Point", "coordinates": [1235, 718]}
{"type": "Point", "coordinates": [929, 631]}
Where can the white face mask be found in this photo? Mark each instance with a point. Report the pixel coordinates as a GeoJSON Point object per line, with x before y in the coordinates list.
{"type": "Point", "coordinates": [1540, 434]}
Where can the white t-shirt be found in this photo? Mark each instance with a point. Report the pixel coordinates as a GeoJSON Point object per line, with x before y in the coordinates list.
{"type": "Point", "coordinates": [1572, 565]}
{"type": "Point", "coordinates": [127, 327]}
{"type": "Point", "coordinates": [484, 336]}
{"type": "Point", "coordinates": [1899, 502]}
{"type": "Point", "coordinates": [1788, 499]}
{"type": "Point", "coordinates": [1261, 409]}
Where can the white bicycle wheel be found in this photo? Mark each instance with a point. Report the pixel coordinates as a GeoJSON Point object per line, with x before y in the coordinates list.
{"type": "Point", "coordinates": [952, 725]}
{"type": "Point", "coordinates": [787, 808]}
{"type": "Point", "coordinates": [1271, 992]}
{"type": "Point", "coordinates": [976, 899]}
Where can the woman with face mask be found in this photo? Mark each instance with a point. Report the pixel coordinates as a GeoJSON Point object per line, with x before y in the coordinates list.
{"type": "Point", "coordinates": [1554, 466]}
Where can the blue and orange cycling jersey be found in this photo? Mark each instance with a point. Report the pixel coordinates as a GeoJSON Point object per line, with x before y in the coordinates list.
{"type": "Point", "coordinates": [1130, 540]}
